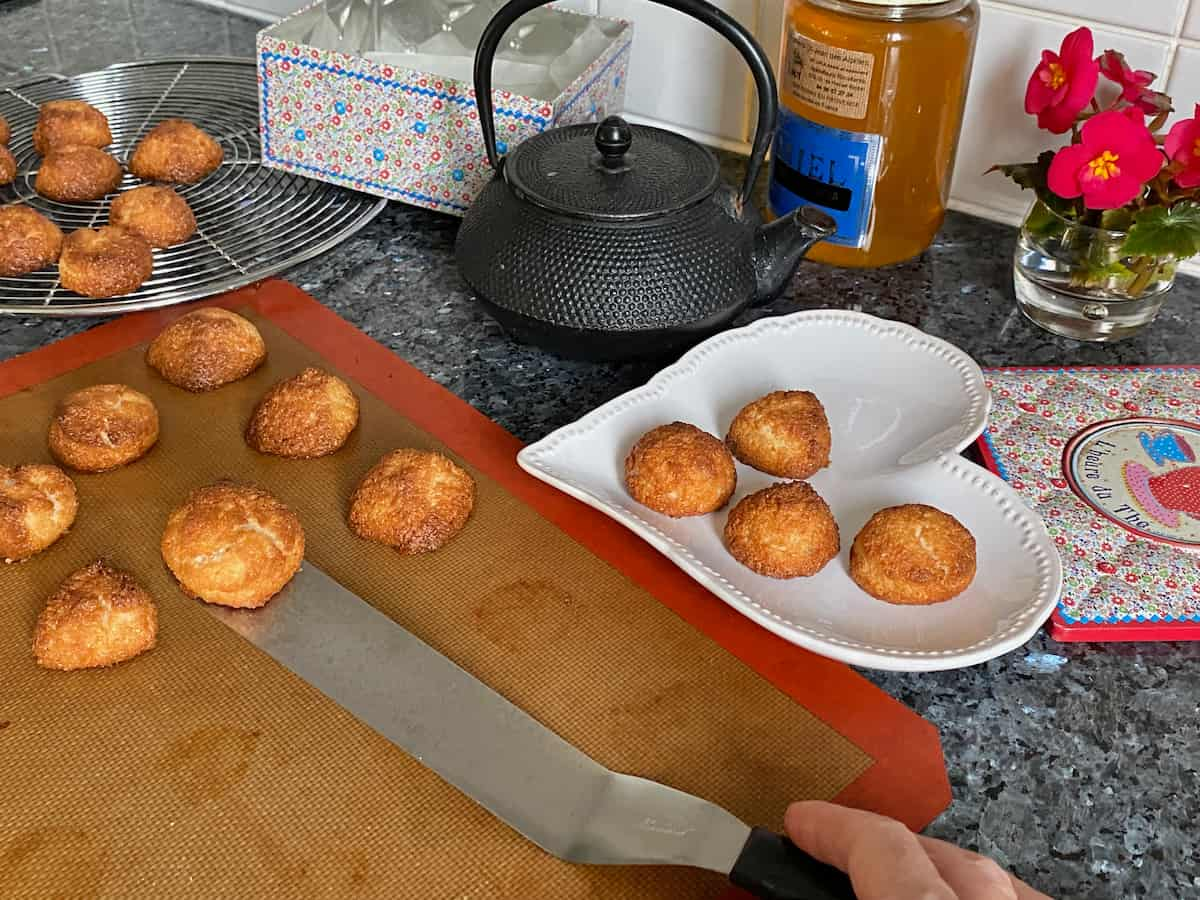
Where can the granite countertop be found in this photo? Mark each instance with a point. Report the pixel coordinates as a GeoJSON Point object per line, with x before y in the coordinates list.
{"type": "Point", "coordinates": [1073, 764]}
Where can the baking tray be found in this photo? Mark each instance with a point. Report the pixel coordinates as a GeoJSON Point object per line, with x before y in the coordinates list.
{"type": "Point", "coordinates": [251, 221]}
{"type": "Point", "coordinates": [204, 768]}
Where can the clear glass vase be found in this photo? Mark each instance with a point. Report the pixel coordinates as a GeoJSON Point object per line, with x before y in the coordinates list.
{"type": "Point", "coordinates": [1074, 280]}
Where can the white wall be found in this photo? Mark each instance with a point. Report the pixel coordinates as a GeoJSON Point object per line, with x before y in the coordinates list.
{"type": "Point", "coordinates": [683, 76]}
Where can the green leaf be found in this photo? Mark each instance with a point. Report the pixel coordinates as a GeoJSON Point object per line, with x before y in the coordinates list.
{"type": "Point", "coordinates": [1043, 223]}
{"type": "Point", "coordinates": [1162, 231]}
{"type": "Point", "coordinates": [1032, 176]}
{"type": "Point", "coordinates": [1116, 219]}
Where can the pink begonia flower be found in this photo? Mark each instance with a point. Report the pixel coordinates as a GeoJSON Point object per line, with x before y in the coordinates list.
{"type": "Point", "coordinates": [1183, 147]}
{"type": "Point", "coordinates": [1116, 157]}
{"type": "Point", "coordinates": [1135, 83]}
{"type": "Point", "coordinates": [1063, 83]}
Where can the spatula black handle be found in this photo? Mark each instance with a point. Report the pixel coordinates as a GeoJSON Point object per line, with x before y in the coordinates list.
{"type": "Point", "coordinates": [773, 868]}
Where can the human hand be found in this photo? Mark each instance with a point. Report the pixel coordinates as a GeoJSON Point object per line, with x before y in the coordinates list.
{"type": "Point", "coordinates": [886, 861]}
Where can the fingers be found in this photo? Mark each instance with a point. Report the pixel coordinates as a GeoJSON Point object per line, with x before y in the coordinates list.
{"type": "Point", "coordinates": [976, 877]}
{"type": "Point", "coordinates": [971, 876]}
{"type": "Point", "coordinates": [884, 860]}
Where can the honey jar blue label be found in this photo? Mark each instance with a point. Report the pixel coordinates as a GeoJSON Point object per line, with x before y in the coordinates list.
{"type": "Point", "coordinates": [813, 165]}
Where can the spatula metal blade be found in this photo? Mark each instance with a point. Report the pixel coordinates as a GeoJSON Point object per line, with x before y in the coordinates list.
{"type": "Point", "coordinates": [475, 739]}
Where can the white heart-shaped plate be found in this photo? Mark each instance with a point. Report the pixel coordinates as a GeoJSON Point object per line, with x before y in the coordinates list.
{"type": "Point", "coordinates": [901, 406]}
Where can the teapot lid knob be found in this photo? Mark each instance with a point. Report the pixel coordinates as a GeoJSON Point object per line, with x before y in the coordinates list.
{"type": "Point", "coordinates": [614, 137]}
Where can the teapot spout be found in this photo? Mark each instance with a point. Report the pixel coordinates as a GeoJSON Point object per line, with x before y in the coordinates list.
{"type": "Point", "coordinates": [780, 245]}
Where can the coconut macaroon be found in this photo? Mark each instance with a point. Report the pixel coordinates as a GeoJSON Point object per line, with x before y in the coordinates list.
{"type": "Point", "coordinates": [156, 214]}
{"type": "Point", "coordinates": [914, 555]}
{"type": "Point", "coordinates": [28, 241]}
{"type": "Point", "coordinates": [102, 427]}
{"type": "Point", "coordinates": [8, 166]}
{"type": "Point", "coordinates": [207, 349]}
{"type": "Point", "coordinates": [413, 500]}
{"type": "Point", "coordinates": [63, 123]}
{"type": "Point", "coordinates": [175, 151]}
{"type": "Point", "coordinates": [304, 417]}
{"type": "Point", "coordinates": [106, 262]}
{"type": "Point", "coordinates": [99, 616]}
{"type": "Point", "coordinates": [38, 504]}
{"type": "Point", "coordinates": [679, 470]}
{"type": "Point", "coordinates": [785, 433]}
{"type": "Point", "coordinates": [784, 531]}
{"type": "Point", "coordinates": [72, 174]}
{"type": "Point", "coordinates": [233, 545]}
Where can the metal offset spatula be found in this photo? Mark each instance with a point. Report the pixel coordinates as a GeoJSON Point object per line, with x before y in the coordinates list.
{"type": "Point", "coordinates": [517, 769]}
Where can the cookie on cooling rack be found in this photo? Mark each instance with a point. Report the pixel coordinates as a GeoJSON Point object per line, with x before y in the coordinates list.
{"type": "Point", "coordinates": [107, 262]}
{"type": "Point", "coordinates": [156, 213]}
{"type": "Point", "coordinates": [5, 131]}
{"type": "Point", "coordinates": [28, 241]}
{"type": "Point", "coordinates": [63, 123]}
{"type": "Point", "coordinates": [76, 173]}
{"type": "Point", "coordinates": [8, 166]}
{"type": "Point", "coordinates": [176, 151]}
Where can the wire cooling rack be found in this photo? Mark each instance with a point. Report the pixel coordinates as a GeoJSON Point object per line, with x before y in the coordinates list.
{"type": "Point", "coordinates": [252, 221]}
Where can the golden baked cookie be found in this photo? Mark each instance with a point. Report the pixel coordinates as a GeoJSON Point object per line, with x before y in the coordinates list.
{"type": "Point", "coordinates": [106, 262]}
{"type": "Point", "coordinates": [785, 433]}
{"type": "Point", "coordinates": [206, 349]}
{"type": "Point", "coordinates": [413, 500]}
{"type": "Point", "coordinates": [176, 151]}
{"type": "Point", "coordinates": [304, 417]}
{"type": "Point", "coordinates": [5, 131]}
{"type": "Point", "coordinates": [784, 531]}
{"type": "Point", "coordinates": [63, 123]}
{"type": "Point", "coordinates": [37, 505]}
{"type": "Point", "coordinates": [679, 470]}
{"type": "Point", "coordinates": [156, 214]}
{"type": "Point", "coordinates": [233, 545]}
{"type": "Point", "coordinates": [8, 166]}
{"type": "Point", "coordinates": [913, 554]}
{"type": "Point", "coordinates": [102, 427]}
{"type": "Point", "coordinates": [28, 241]}
{"type": "Point", "coordinates": [72, 174]}
{"type": "Point", "coordinates": [99, 616]}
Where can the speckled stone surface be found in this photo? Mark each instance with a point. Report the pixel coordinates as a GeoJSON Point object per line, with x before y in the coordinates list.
{"type": "Point", "coordinates": [1073, 764]}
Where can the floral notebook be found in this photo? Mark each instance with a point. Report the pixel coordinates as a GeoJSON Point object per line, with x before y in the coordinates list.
{"type": "Point", "coordinates": [1108, 458]}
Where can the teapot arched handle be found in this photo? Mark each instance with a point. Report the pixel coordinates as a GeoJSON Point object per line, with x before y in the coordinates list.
{"type": "Point", "coordinates": [718, 21]}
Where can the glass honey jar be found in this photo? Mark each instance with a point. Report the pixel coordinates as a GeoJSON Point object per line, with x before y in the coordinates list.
{"type": "Point", "coordinates": [871, 103]}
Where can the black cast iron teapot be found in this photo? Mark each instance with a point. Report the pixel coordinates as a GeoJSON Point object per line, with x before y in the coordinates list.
{"type": "Point", "coordinates": [618, 241]}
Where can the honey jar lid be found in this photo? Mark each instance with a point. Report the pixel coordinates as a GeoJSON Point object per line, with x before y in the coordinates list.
{"type": "Point", "coordinates": [900, 2]}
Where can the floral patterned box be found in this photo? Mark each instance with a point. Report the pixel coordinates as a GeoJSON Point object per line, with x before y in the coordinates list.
{"type": "Point", "coordinates": [409, 135]}
{"type": "Point", "coordinates": [1108, 458]}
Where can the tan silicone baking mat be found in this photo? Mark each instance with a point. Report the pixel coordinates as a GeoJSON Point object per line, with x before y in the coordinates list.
{"type": "Point", "coordinates": [202, 768]}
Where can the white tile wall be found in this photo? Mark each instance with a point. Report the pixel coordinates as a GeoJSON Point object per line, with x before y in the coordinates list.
{"type": "Point", "coordinates": [682, 72]}
{"type": "Point", "coordinates": [1160, 35]}
{"type": "Point", "coordinates": [1191, 28]}
{"type": "Point", "coordinates": [996, 128]}
{"type": "Point", "coordinates": [1157, 16]}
